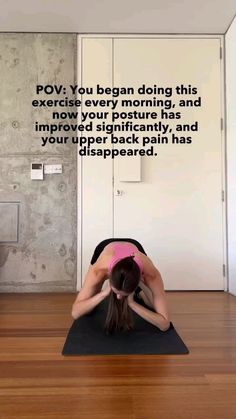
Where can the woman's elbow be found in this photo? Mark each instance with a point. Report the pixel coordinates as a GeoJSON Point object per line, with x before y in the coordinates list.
{"type": "Point", "coordinates": [166, 326]}
{"type": "Point", "coordinates": [73, 315]}
{"type": "Point", "coordinates": [74, 312]}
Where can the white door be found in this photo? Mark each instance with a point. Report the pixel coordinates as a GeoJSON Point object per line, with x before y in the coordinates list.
{"type": "Point", "coordinates": [175, 210]}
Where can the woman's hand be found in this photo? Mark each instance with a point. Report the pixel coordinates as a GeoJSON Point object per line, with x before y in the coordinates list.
{"type": "Point", "coordinates": [130, 298]}
{"type": "Point", "coordinates": [107, 290]}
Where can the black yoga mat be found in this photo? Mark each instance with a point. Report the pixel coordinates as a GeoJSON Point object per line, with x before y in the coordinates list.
{"type": "Point", "coordinates": [87, 337]}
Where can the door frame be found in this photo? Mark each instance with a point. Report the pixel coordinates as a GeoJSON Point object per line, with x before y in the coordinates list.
{"type": "Point", "coordinates": [78, 80]}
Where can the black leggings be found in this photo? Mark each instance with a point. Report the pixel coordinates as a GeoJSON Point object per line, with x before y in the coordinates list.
{"type": "Point", "coordinates": [99, 248]}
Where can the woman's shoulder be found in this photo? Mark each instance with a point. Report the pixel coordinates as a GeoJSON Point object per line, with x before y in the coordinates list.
{"type": "Point", "coordinates": [108, 249]}
{"type": "Point", "coordinates": [144, 258]}
{"type": "Point", "coordinates": [101, 266]}
{"type": "Point", "coordinates": [149, 269]}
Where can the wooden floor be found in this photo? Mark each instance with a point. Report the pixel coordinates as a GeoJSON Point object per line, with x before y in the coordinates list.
{"type": "Point", "coordinates": [36, 381]}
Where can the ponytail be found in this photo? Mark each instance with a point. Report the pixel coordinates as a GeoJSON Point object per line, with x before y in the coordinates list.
{"type": "Point", "coordinates": [125, 276]}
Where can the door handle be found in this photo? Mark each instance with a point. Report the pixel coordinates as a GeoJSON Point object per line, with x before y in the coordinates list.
{"type": "Point", "coordinates": [118, 192]}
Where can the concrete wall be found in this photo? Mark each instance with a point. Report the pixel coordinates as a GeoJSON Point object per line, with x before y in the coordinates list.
{"type": "Point", "coordinates": [37, 218]}
{"type": "Point", "coordinates": [230, 41]}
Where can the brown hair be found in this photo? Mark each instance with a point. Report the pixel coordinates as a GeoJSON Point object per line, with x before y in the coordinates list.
{"type": "Point", "coordinates": [125, 276]}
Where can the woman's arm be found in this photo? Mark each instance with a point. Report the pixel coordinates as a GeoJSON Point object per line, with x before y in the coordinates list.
{"type": "Point", "coordinates": [161, 317]}
{"type": "Point", "coordinates": [154, 282]}
{"type": "Point", "coordinates": [156, 319]}
{"type": "Point", "coordinates": [90, 294]}
{"type": "Point", "coordinates": [85, 306]}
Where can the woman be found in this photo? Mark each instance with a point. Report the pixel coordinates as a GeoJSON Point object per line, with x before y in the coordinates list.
{"type": "Point", "coordinates": [127, 267]}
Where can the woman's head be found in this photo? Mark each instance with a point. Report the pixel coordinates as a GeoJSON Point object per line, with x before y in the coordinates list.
{"type": "Point", "coordinates": [124, 279]}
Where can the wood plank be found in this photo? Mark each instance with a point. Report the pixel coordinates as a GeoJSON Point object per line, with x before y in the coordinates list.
{"type": "Point", "coordinates": [36, 381]}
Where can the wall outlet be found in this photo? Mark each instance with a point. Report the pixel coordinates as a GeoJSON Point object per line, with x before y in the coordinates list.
{"type": "Point", "coordinates": [52, 168]}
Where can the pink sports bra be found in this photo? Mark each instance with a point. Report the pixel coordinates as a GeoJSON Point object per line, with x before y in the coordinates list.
{"type": "Point", "coordinates": [122, 251]}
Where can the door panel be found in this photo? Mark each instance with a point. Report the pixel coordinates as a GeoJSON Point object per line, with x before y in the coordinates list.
{"type": "Point", "coordinates": [171, 203]}
{"type": "Point", "coordinates": [176, 209]}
